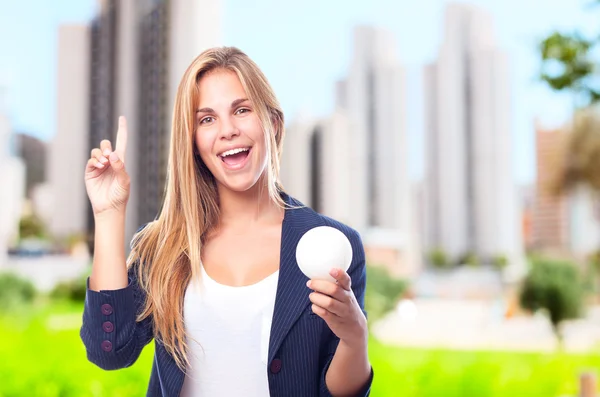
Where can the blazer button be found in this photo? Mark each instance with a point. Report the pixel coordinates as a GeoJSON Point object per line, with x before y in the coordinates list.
{"type": "Point", "coordinates": [107, 326]}
{"type": "Point", "coordinates": [106, 346]}
{"type": "Point", "coordinates": [107, 309]}
{"type": "Point", "coordinates": [275, 365]}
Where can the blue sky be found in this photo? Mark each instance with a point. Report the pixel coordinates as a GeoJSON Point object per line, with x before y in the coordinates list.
{"type": "Point", "coordinates": [303, 48]}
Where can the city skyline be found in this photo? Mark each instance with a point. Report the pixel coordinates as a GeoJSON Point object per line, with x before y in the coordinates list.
{"type": "Point", "coordinates": [329, 48]}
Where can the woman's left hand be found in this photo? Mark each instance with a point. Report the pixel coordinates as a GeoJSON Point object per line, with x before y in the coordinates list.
{"type": "Point", "coordinates": [336, 304]}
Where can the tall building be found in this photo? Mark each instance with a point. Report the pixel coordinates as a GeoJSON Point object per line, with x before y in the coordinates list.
{"type": "Point", "coordinates": [471, 195]}
{"type": "Point", "coordinates": [372, 96]}
{"type": "Point", "coordinates": [316, 167]}
{"type": "Point", "coordinates": [550, 221]}
{"type": "Point", "coordinates": [563, 222]}
{"type": "Point", "coordinates": [140, 50]}
{"type": "Point", "coordinates": [12, 175]}
{"type": "Point", "coordinates": [33, 152]}
{"type": "Point", "coordinates": [68, 151]}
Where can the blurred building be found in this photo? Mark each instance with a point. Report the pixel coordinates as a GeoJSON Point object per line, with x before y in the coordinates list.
{"type": "Point", "coordinates": [316, 166]}
{"type": "Point", "coordinates": [33, 152]}
{"type": "Point", "coordinates": [550, 221]}
{"type": "Point", "coordinates": [12, 179]}
{"type": "Point", "coordinates": [139, 51]}
{"type": "Point", "coordinates": [372, 95]}
{"type": "Point", "coordinates": [471, 195]}
{"type": "Point", "coordinates": [68, 151]}
{"type": "Point", "coordinates": [353, 165]}
{"type": "Point", "coordinates": [563, 222]}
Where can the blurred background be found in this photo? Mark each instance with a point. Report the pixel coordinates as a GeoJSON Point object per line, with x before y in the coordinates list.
{"type": "Point", "coordinates": [461, 139]}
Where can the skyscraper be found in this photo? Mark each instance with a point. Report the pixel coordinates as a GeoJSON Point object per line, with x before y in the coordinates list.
{"type": "Point", "coordinates": [316, 166]}
{"type": "Point", "coordinates": [12, 178]}
{"type": "Point", "coordinates": [471, 195]}
{"type": "Point", "coordinates": [372, 96]}
{"type": "Point", "coordinates": [550, 209]}
{"type": "Point", "coordinates": [141, 49]}
{"type": "Point", "coordinates": [68, 152]}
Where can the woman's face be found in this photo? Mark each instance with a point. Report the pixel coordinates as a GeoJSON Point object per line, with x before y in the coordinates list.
{"type": "Point", "coordinates": [229, 135]}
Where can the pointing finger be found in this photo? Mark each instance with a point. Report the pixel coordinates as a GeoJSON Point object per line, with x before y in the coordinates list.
{"type": "Point", "coordinates": [121, 145]}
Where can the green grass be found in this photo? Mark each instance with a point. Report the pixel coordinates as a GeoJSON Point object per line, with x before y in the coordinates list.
{"type": "Point", "coordinates": [431, 373]}
{"type": "Point", "coordinates": [41, 355]}
{"type": "Point", "coordinates": [39, 359]}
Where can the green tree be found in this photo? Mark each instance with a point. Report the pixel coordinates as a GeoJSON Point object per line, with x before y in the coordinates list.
{"type": "Point", "coordinates": [556, 288]}
{"type": "Point", "coordinates": [570, 63]}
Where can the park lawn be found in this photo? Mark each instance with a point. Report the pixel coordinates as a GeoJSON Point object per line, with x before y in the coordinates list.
{"type": "Point", "coordinates": [407, 372]}
{"type": "Point", "coordinates": [41, 355]}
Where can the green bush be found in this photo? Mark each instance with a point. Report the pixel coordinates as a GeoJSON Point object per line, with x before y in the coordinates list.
{"type": "Point", "coordinates": [468, 259]}
{"type": "Point", "coordinates": [15, 291]}
{"type": "Point", "coordinates": [500, 261]}
{"type": "Point", "coordinates": [555, 287]}
{"type": "Point", "coordinates": [383, 292]}
{"type": "Point", "coordinates": [30, 226]}
{"type": "Point", "coordinates": [73, 290]}
{"type": "Point", "coordinates": [438, 258]}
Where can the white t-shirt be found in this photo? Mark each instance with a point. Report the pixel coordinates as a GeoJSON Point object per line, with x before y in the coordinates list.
{"type": "Point", "coordinates": [231, 327]}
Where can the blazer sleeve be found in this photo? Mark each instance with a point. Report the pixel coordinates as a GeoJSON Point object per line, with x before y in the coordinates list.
{"type": "Point", "coordinates": [112, 337]}
{"type": "Point", "coordinates": [358, 275]}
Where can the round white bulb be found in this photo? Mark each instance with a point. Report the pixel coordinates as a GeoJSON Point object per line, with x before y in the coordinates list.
{"type": "Point", "coordinates": [320, 250]}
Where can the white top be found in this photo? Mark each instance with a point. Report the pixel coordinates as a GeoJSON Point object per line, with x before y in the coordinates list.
{"type": "Point", "coordinates": [230, 328]}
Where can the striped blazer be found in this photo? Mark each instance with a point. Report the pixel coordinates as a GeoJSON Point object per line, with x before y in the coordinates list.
{"type": "Point", "coordinates": [301, 344]}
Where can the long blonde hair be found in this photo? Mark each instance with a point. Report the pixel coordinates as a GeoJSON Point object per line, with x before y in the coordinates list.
{"type": "Point", "coordinates": [168, 249]}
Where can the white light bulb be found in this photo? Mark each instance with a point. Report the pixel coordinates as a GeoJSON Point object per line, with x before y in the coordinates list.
{"type": "Point", "coordinates": [320, 250]}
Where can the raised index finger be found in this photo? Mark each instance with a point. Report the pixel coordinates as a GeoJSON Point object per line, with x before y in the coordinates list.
{"type": "Point", "coordinates": [121, 145]}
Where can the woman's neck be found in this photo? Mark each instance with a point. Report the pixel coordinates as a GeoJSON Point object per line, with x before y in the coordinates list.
{"type": "Point", "coordinates": [252, 207]}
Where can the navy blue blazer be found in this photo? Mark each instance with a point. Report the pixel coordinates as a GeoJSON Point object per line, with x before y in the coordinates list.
{"type": "Point", "coordinates": [301, 344]}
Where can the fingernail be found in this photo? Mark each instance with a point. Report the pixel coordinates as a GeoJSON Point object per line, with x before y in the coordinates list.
{"type": "Point", "coordinates": [103, 159]}
{"type": "Point", "coordinates": [114, 157]}
{"type": "Point", "coordinates": [106, 152]}
{"type": "Point", "coordinates": [308, 283]}
{"type": "Point", "coordinates": [99, 165]}
{"type": "Point", "coordinates": [334, 272]}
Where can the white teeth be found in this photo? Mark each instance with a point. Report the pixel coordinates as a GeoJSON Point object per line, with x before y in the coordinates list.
{"type": "Point", "coordinates": [234, 151]}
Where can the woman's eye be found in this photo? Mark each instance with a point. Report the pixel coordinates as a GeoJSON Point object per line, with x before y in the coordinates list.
{"type": "Point", "coordinates": [242, 111]}
{"type": "Point", "coordinates": [206, 120]}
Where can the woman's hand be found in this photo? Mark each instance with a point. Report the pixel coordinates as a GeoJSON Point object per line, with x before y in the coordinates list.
{"type": "Point", "coordinates": [336, 304]}
{"type": "Point", "coordinates": [106, 181]}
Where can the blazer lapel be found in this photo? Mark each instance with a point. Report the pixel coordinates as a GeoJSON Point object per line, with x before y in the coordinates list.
{"type": "Point", "coordinates": [292, 293]}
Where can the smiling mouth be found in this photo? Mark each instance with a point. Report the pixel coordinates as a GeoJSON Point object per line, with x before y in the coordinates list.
{"type": "Point", "coordinates": [235, 156]}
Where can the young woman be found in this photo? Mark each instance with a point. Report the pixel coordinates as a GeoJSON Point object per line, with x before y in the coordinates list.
{"type": "Point", "coordinates": [214, 280]}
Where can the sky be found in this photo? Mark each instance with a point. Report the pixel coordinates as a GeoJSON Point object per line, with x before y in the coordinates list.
{"type": "Point", "coordinates": [304, 48]}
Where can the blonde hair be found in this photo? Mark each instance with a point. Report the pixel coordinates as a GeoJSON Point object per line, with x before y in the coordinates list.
{"type": "Point", "coordinates": [168, 249]}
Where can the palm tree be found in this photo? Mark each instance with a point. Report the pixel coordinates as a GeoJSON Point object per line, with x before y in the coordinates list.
{"type": "Point", "coordinates": [568, 65]}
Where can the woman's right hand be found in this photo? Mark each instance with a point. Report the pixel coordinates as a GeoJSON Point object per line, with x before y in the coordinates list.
{"type": "Point", "coordinates": [106, 181]}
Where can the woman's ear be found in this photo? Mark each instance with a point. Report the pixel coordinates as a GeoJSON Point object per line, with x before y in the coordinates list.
{"type": "Point", "coordinates": [276, 121]}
